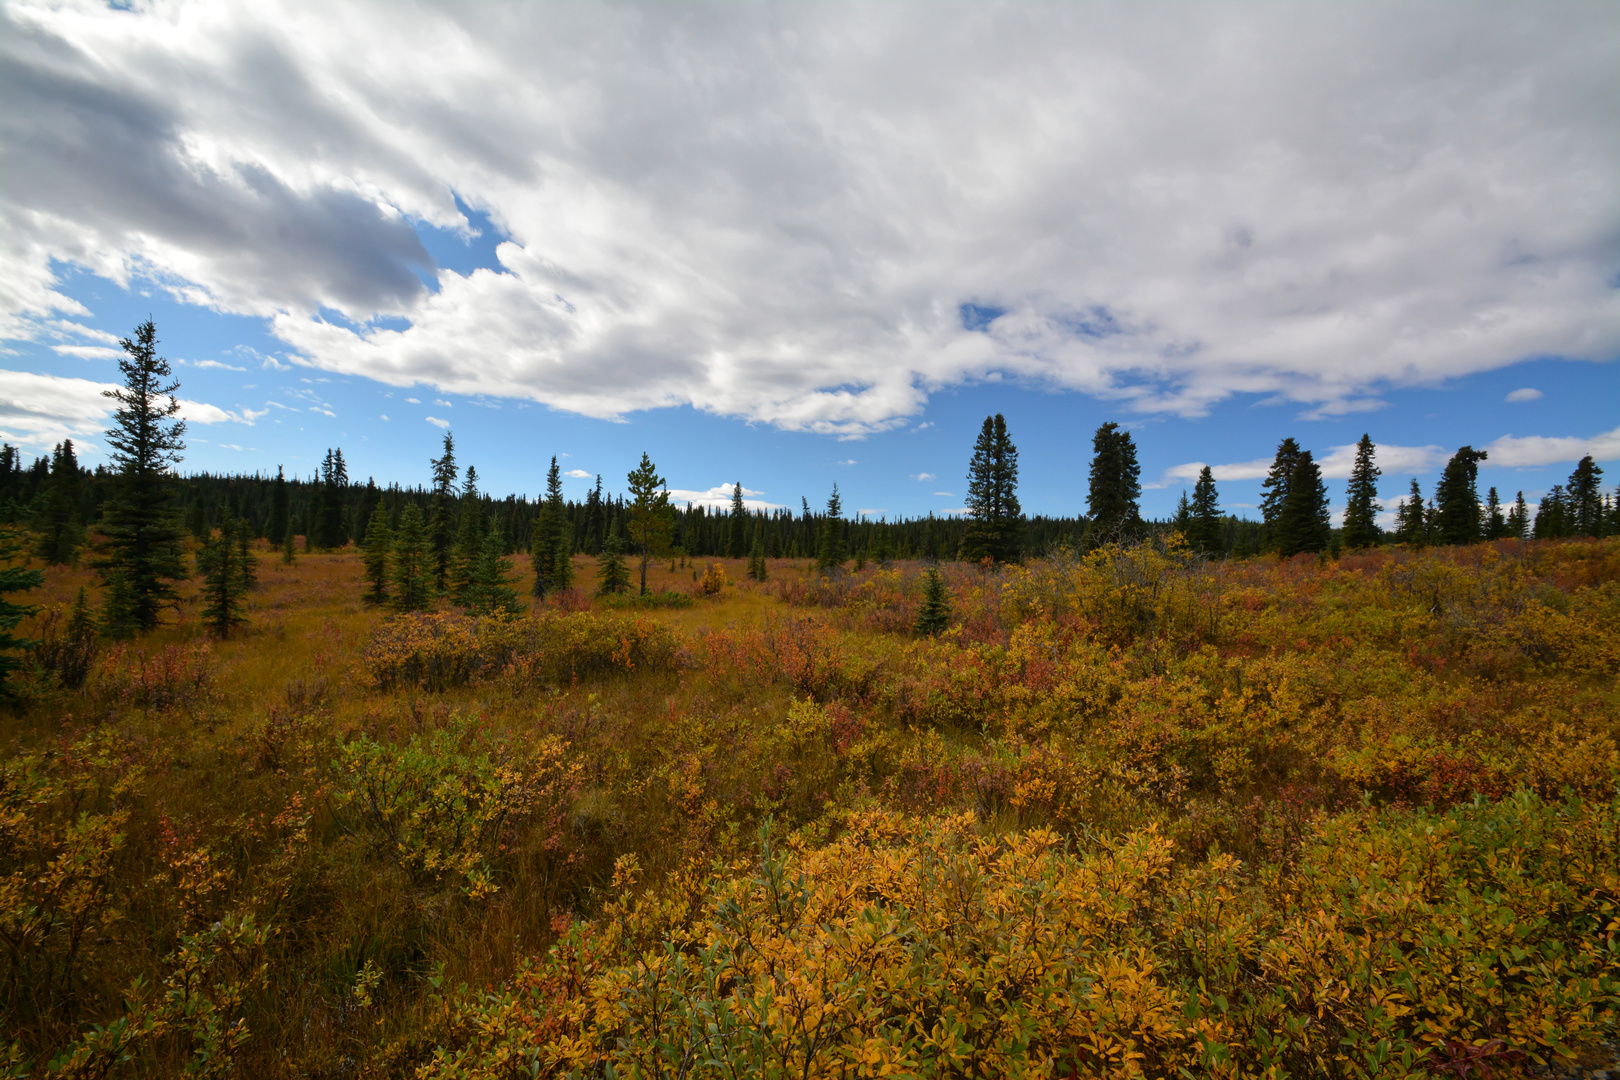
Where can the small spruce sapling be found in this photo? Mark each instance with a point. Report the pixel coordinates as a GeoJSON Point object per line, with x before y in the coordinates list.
{"type": "Point", "coordinates": [935, 615]}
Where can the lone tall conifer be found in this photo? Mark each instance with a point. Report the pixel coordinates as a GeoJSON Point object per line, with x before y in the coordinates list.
{"type": "Point", "coordinates": [1361, 498]}
{"type": "Point", "coordinates": [1584, 495]}
{"type": "Point", "coordinates": [1303, 524]}
{"type": "Point", "coordinates": [1204, 517]}
{"type": "Point", "coordinates": [228, 571]}
{"type": "Point", "coordinates": [379, 548]}
{"type": "Point", "coordinates": [1274, 492]}
{"type": "Point", "coordinates": [441, 518]}
{"type": "Point", "coordinates": [1116, 486]}
{"type": "Point", "coordinates": [412, 572]}
{"type": "Point", "coordinates": [649, 515]}
{"type": "Point", "coordinates": [1457, 498]}
{"type": "Point", "coordinates": [831, 550]}
{"type": "Point", "coordinates": [737, 538]}
{"type": "Point", "coordinates": [995, 520]}
{"type": "Point", "coordinates": [142, 555]}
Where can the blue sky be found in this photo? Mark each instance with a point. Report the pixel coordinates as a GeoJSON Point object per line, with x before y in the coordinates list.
{"type": "Point", "coordinates": [819, 244]}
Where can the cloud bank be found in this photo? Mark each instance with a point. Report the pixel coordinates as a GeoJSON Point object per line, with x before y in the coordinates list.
{"type": "Point", "coordinates": [815, 215]}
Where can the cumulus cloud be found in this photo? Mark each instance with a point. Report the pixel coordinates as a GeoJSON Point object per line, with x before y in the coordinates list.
{"type": "Point", "coordinates": [436, 422]}
{"type": "Point", "coordinates": [816, 215]}
{"type": "Point", "coordinates": [923, 477]}
{"type": "Point", "coordinates": [1531, 451]}
{"type": "Point", "coordinates": [38, 411]}
{"type": "Point", "coordinates": [1528, 393]}
{"type": "Point", "coordinates": [719, 497]}
{"type": "Point", "coordinates": [579, 474]}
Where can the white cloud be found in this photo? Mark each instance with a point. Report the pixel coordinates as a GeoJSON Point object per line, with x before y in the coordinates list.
{"type": "Point", "coordinates": [436, 422]}
{"type": "Point", "coordinates": [412, 401]}
{"type": "Point", "coordinates": [817, 215]}
{"type": "Point", "coordinates": [849, 461]}
{"type": "Point", "coordinates": [383, 416]}
{"type": "Point", "coordinates": [38, 411]}
{"type": "Point", "coordinates": [88, 352]}
{"type": "Point", "coordinates": [1530, 451]}
{"type": "Point", "coordinates": [945, 494]}
{"type": "Point", "coordinates": [1528, 393]}
{"type": "Point", "coordinates": [719, 497]}
{"type": "Point", "coordinates": [212, 364]}
{"type": "Point", "coordinates": [579, 474]}
{"type": "Point", "coordinates": [923, 476]}
{"type": "Point", "coordinates": [446, 404]}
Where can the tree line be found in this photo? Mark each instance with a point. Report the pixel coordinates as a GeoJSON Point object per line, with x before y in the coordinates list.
{"type": "Point", "coordinates": [448, 537]}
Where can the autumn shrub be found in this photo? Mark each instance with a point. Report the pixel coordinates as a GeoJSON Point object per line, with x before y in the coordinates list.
{"type": "Point", "coordinates": [447, 803]}
{"type": "Point", "coordinates": [167, 678]}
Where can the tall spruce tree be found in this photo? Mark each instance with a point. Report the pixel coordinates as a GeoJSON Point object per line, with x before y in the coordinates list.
{"type": "Point", "coordinates": [1584, 498]}
{"type": "Point", "coordinates": [649, 515]}
{"type": "Point", "coordinates": [441, 517]}
{"type": "Point", "coordinates": [329, 531]}
{"type": "Point", "coordinates": [737, 527]}
{"type": "Point", "coordinates": [1204, 524]}
{"type": "Point", "coordinates": [60, 529]}
{"type": "Point", "coordinates": [1274, 492]}
{"type": "Point", "coordinates": [1553, 516]}
{"type": "Point", "coordinates": [276, 530]}
{"type": "Point", "coordinates": [1457, 498]}
{"type": "Point", "coordinates": [1361, 498]}
{"type": "Point", "coordinates": [1303, 525]}
{"type": "Point", "coordinates": [228, 572]}
{"type": "Point", "coordinates": [413, 559]}
{"type": "Point", "coordinates": [489, 586]}
{"type": "Point", "coordinates": [142, 556]}
{"type": "Point", "coordinates": [995, 519]}
{"type": "Point", "coordinates": [1518, 520]}
{"type": "Point", "coordinates": [831, 549]}
{"type": "Point", "coordinates": [469, 535]}
{"type": "Point", "coordinates": [379, 547]}
{"type": "Point", "coordinates": [1113, 501]}
{"type": "Point", "coordinates": [550, 526]}
{"type": "Point", "coordinates": [1495, 522]}
{"type": "Point", "coordinates": [1411, 523]}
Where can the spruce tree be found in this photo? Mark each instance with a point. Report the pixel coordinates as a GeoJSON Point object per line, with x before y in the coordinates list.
{"type": "Point", "coordinates": [15, 577]}
{"type": "Point", "coordinates": [1361, 498]}
{"type": "Point", "coordinates": [1553, 516]}
{"type": "Point", "coordinates": [1457, 497]}
{"type": "Point", "coordinates": [1204, 527]}
{"type": "Point", "coordinates": [413, 562]}
{"type": "Point", "coordinates": [1411, 524]}
{"type": "Point", "coordinates": [757, 568]}
{"type": "Point", "coordinates": [562, 561]}
{"type": "Point", "coordinates": [289, 546]}
{"type": "Point", "coordinates": [649, 515]}
{"type": "Point", "coordinates": [612, 576]}
{"type": "Point", "coordinates": [737, 539]}
{"type": "Point", "coordinates": [1182, 521]}
{"type": "Point", "coordinates": [934, 617]}
{"type": "Point", "coordinates": [142, 556]}
{"type": "Point", "coordinates": [1584, 499]}
{"type": "Point", "coordinates": [328, 531]}
{"type": "Point", "coordinates": [1496, 525]}
{"type": "Point", "coordinates": [60, 529]}
{"type": "Point", "coordinates": [379, 546]}
{"type": "Point", "coordinates": [1518, 520]}
{"type": "Point", "coordinates": [469, 535]}
{"type": "Point", "coordinates": [227, 574]}
{"type": "Point", "coordinates": [995, 518]}
{"type": "Point", "coordinates": [279, 525]}
{"type": "Point", "coordinates": [1303, 524]}
{"type": "Point", "coordinates": [831, 550]}
{"type": "Point", "coordinates": [1274, 492]}
{"type": "Point", "coordinates": [441, 518]}
{"type": "Point", "coordinates": [549, 527]}
{"type": "Point", "coordinates": [1113, 502]}
{"type": "Point", "coordinates": [489, 586]}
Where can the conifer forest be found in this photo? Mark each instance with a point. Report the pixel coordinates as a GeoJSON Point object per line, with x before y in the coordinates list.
{"type": "Point", "coordinates": [316, 776]}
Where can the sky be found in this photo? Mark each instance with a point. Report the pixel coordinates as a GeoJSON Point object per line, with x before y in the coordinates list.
{"type": "Point", "coordinates": [793, 245]}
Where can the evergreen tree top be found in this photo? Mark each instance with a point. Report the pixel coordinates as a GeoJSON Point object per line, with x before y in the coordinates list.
{"type": "Point", "coordinates": [145, 438]}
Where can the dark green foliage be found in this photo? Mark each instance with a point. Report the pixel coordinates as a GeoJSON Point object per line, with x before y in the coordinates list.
{"type": "Point", "coordinates": [1116, 486]}
{"type": "Point", "coordinates": [1496, 525]}
{"type": "Point", "coordinates": [440, 523]}
{"type": "Point", "coordinates": [469, 536]}
{"type": "Point", "coordinates": [562, 562]}
{"type": "Point", "coordinates": [650, 525]}
{"type": "Point", "coordinates": [1584, 496]}
{"type": "Point", "coordinates": [61, 530]}
{"type": "Point", "coordinates": [1411, 523]}
{"type": "Point", "coordinates": [227, 569]}
{"type": "Point", "coordinates": [1518, 520]}
{"type": "Point", "coordinates": [1204, 532]}
{"type": "Point", "coordinates": [413, 563]}
{"type": "Point", "coordinates": [489, 587]}
{"type": "Point", "coordinates": [934, 617]}
{"type": "Point", "coordinates": [379, 546]}
{"type": "Point", "coordinates": [1361, 498]}
{"type": "Point", "coordinates": [279, 525]}
{"type": "Point", "coordinates": [142, 556]}
{"type": "Point", "coordinates": [196, 518]}
{"type": "Point", "coordinates": [550, 533]}
{"type": "Point", "coordinates": [757, 568]}
{"type": "Point", "coordinates": [831, 548]}
{"type": "Point", "coordinates": [612, 576]}
{"type": "Point", "coordinates": [1457, 495]}
{"type": "Point", "coordinates": [15, 577]}
{"type": "Point", "coordinates": [329, 531]}
{"type": "Point", "coordinates": [1274, 492]}
{"type": "Point", "coordinates": [1304, 525]}
{"type": "Point", "coordinates": [995, 519]}
{"type": "Point", "coordinates": [737, 540]}
{"type": "Point", "coordinates": [289, 547]}
{"type": "Point", "coordinates": [1553, 518]}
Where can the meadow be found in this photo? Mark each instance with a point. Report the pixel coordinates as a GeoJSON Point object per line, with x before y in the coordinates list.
{"type": "Point", "coordinates": [1136, 813]}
